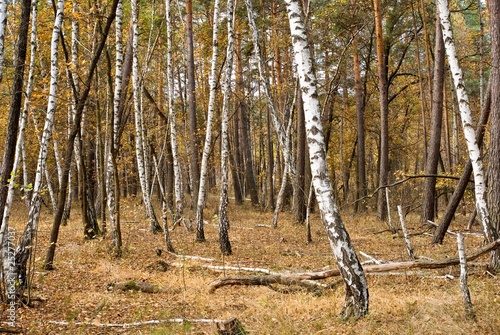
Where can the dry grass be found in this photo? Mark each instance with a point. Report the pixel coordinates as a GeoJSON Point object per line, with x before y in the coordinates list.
{"type": "Point", "coordinates": [411, 303]}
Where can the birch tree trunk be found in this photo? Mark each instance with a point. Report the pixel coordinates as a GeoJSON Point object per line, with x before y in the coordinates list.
{"type": "Point", "coordinates": [200, 233]}
{"type": "Point", "coordinates": [465, 113]}
{"type": "Point", "coordinates": [139, 124]}
{"type": "Point", "coordinates": [23, 251]}
{"type": "Point", "coordinates": [356, 300]}
{"type": "Point", "coordinates": [114, 129]}
{"type": "Point", "coordinates": [75, 129]}
{"type": "Point", "coordinates": [178, 188]}
{"type": "Point", "coordinates": [225, 245]}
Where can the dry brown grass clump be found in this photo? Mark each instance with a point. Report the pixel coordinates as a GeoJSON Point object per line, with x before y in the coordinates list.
{"type": "Point", "coordinates": [79, 290]}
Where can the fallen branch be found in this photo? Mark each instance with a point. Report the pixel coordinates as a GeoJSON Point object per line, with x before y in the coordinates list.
{"type": "Point", "coordinates": [299, 278]}
{"type": "Point", "coordinates": [265, 281]}
{"type": "Point", "coordinates": [136, 324]}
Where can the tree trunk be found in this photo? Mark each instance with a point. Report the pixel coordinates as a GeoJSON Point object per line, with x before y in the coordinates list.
{"type": "Point", "coordinates": [493, 195]}
{"type": "Point", "coordinates": [200, 232]}
{"type": "Point", "coordinates": [15, 102]}
{"type": "Point", "coordinates": [465, 113]}
{"type": "Point", "coordinates": [191, 99]}
{"type": "Point", "coordinates": [431, 166]}
{"type": "Point", "coordinates": [3, 25]}
{"type": "Point", "coordinates": [49, 259]}
{"type": "Point", "coordinates": [178, 187]}
{"type": "Point", "coordinates": [356, 301]}
{"type": "Point", "coordinates": [23, 250]}
{"type": "Point", "coordinates": [225, 245]}
{"type": "Point", "coordinates": [140, 145]}
{"type": "Point", "coordinates": [300, 196]}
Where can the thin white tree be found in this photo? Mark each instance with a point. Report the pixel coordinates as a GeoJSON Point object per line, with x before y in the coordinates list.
{"type": "Point", "coordinates": [356, 300]}
{"type": "Point", "coordinates": [212, 80]}
{"type": "Point", "coordinates": [466, 117]}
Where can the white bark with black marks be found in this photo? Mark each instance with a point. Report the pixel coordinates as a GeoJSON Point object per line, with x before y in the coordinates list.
{"type": "Point", "coordinates": [356, 300]}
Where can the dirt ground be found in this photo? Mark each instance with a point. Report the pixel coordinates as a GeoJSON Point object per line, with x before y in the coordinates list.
{"type": "Point", "coordinates": [79, 296]}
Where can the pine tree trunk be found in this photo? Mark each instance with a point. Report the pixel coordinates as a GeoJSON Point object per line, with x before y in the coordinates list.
{"type": "Point", "coordinates": [384, 112]}
{"type": "Point", "coordinates": [436, 125]}
{"type": "Point", "coordinates": [356, 300]}
{"type": "Point", "coordinates": [3, 25]}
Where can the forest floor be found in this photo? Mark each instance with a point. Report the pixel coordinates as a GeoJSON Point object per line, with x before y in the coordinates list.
{"type": "Point", "coordinates": [79, 290]}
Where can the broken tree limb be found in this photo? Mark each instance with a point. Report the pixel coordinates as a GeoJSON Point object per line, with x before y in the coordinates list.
{"type": "Point", "coordinates": [137, 324]}
{"type": "Point", "coordinates": [299, 278]}
{"type": "Point", "coordinates": [469, 312]}
{"type": "Point", "coordinates": [264, 281]}
{"type": "Point", "coordinates": [411, 255]}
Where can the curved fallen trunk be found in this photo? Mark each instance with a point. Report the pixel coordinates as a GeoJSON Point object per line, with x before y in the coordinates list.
{"type": "Point", "coordinates": [300, 279]}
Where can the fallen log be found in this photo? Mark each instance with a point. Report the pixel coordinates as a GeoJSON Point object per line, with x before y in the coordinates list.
{"type": "Point", "coordinates": [299, 278]}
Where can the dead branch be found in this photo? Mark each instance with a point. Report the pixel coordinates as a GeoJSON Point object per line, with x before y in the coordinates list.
{"type": "Point", "coordinates": [141, 286]}
{"type": "Point", "coordinates": [264, 281]}
{"type": "Point", "coordinates": [298, 278]}
{"type": "Point", "coordinates": [137, 324]}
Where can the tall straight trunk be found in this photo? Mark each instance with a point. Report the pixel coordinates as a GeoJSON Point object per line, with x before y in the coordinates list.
{"type": "Point", "coordinates": [468, 129]}
{"type": "Point", "coordinates": [191, 99]}
{"type": "Point", "coordinates": [82, 99]}
{"type": "Point", "coordinates": [225, 245]}
{"type": "Point", "coordinates": [200, 232]}
{"type": "Point", "coordinates": [23, 250]}
{"type": "Point", "coordinates": [113, 190]}
{"type": "Point", "coordinates": [300, 196]}
{"type": "Point", "coordinates": [384, 112]}
{"type": "Point", "coordinates": [356, 300]}
{"type": "Point", "coordinates": [493, 196]}
{"type": "Point", "coordinates": [178, 187]}
{"type": "Point", "coordinates": [15, 102]}
{"type": "Point", "coordinates": [140, 146]}
{"type": "Point", "coordinates": [428, 204]}
{"type": "Point", "coordinates": [360, 127]}
{"type": "Point", "coordinates": [237, 165]}
{"type": "Point", "coordinates": [270, 161]}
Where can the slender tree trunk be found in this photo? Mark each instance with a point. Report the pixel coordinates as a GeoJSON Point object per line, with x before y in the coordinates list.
{"type": "Point", "coordinates": [225, 245]}
{"type": "Point", "coordinates": [49, 259]}
{"type": "Point", "coordinates": [468, 129]}
{"type": "Point", "coordinates": [200, 232]}
{"type": "Point", "coordinates": [15, 102]}
{"type": "Point", "coordinates": [356, 300]}
{"type": "Point", "coordinates": [140, 146]}
{"type": "Point", "coordinates": [431, 166]}
{"type": "Point", "coordinates": [360, 125]}
{"type": "Point", "coordinates": [300, 196]}
{"type": "Point", "coordinates": [191, 99]}
{"type": "Point", "coordinates": [384, 112]}
{"type": "Point", "coordinates": [178, 187]}
{"type": "Point", "coordinates": [24, 248]}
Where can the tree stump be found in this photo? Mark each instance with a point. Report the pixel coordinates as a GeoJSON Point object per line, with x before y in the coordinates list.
{"type": "Point", "coordinates": [230, 327]}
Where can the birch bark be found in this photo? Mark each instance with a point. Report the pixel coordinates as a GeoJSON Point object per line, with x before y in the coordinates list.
{"type": "Point", "coordinates": [465, 114]}
{"type": "Point", "coordinates": [139, 123]}
{"type": "Point", "coordinates": [23, 251]}
{"type": "Point", "coordinates": [225, 245]}
{"type": "Point", "coordinates": [178, 187]}
{"type": "Point", "coordinates": [356, 300]}
{"type": "Point", "coordinates": [200, 233]}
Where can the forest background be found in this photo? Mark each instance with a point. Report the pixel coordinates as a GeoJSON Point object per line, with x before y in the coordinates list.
{"type": "Point", "coordinates": [166, 105]}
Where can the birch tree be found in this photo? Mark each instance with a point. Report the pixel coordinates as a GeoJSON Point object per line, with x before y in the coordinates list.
{"type": "Point", "coordinates": [225, 245]}
{"type": "Point", "coordinates": [465, 114]}
{"type": "Point", "coordinates": [200, 233]}
{"type": "Point", "coordinates": [139, 124]}
{"type": "Point", "coordinates": [113, 190]}
{"type": "Point", "coordinates": [23, 251]}
{"type": "Point", "coordinates": [178, 188]}
{"type": "Point", "coordinates": [356, 300]}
